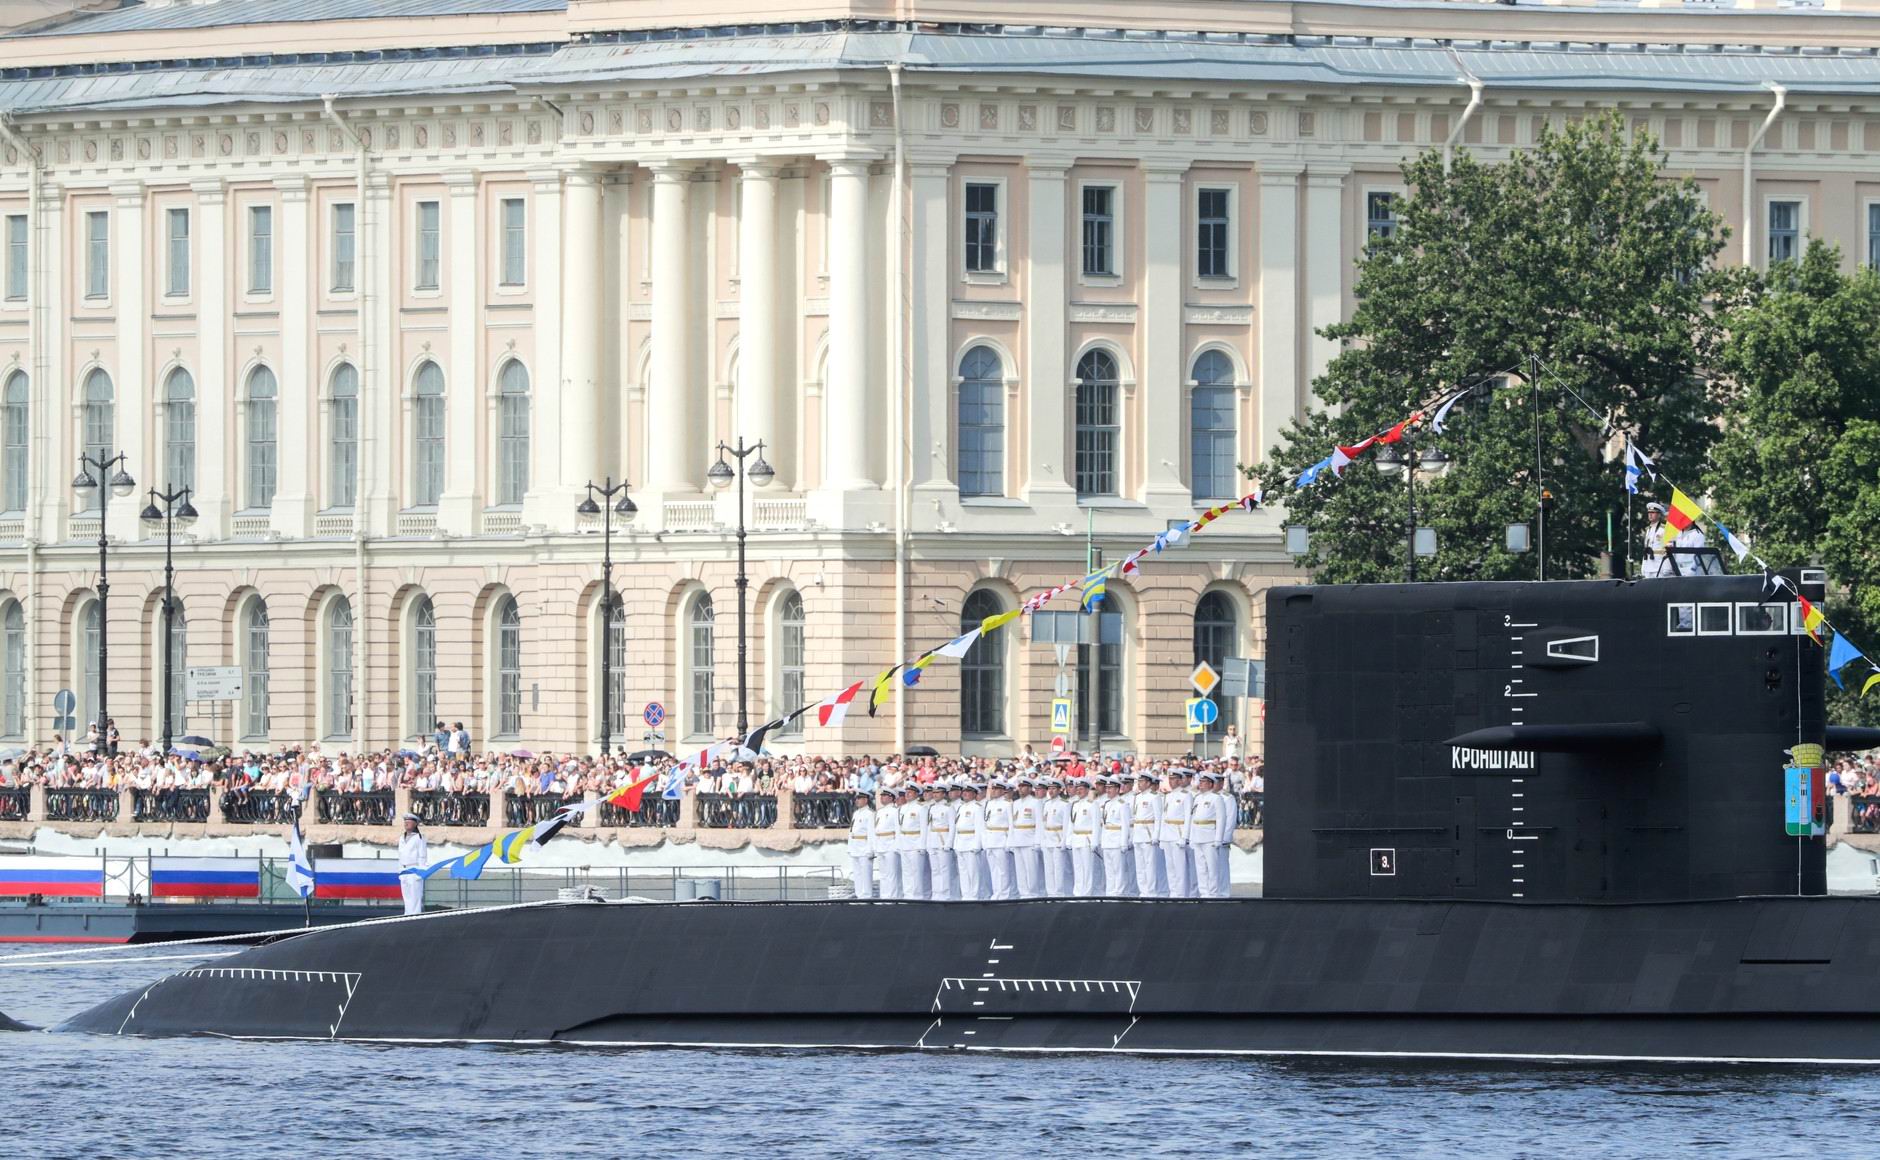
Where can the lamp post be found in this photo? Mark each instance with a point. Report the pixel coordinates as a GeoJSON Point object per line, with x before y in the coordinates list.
{"type": "Point", "coordinates": [121, 485]}
{"type": "Point", "coordinates": [1431, 463]}
{"type": "Point", "coordinates": [761, 473]}
{"type": "Point", "coordinates": [176, 509]}
{"type": "Point", "coordinates": [624, 507]}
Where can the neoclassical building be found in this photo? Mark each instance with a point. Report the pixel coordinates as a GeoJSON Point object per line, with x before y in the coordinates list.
{"type": "Point", "coordinates": [995, 284]}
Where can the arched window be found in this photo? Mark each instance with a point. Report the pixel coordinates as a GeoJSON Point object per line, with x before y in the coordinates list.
{"type": "Point", "coordinates": [98, 427]}
{"type": "Point", "coordinates": [179, 665]}
{"type": "Point", "coordinates": [263, 461]}
{"type": "Point", "coordinates": [423, 668]}
{"type": "Point", "coordinates": [616, 645]}
{"type": "Point", "coordinates": [427, 436]}
{"type": "Point", "coordinates": [14, 414]}
{"type": "Point", "coordinates": [343, 436]}
{"type": "Point", "coordinates": [508, 668]}
{"type": "Point", "coordinates": [1217, 630]}
{"type": "Point", "coordinates": [512, 423]}
{"type": "Point", "coordinates": [982, 423]}
{"type": "Point", "coordinates": [698, 667]}
{"type": "Point", "coordinates": [790, 650]}
{"type": "Point", "coordinates": [1100, 677]}
{"type": "Point", "coordinates": [339, 669]}
{"type": "Point", "coordinates": [982, 671]}
{"type": "Point", "coordinates": [90, 622]}
{"type": "Point", "coordinates": [13, 697]}
{"type": "Point", "coordinates": [1098, 432]}
{"type": "Point", "coordinates": [255, 670]}
{"type": "Point", "coordinates": [179, 430]}
{"type": "Point", "coordinates": [1211, 428]}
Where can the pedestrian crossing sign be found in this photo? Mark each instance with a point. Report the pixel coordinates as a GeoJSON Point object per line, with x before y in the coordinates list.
{"type": "Point", "coordinates": [1061, 715]}
{"type": "Point", "coordinates": [1201, 713]}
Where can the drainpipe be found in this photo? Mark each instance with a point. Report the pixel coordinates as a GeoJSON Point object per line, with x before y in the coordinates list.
{"type": "Point", "coordinates": [1749, 190]}
{"type": "Point", "coordinates": [901, 377]}
{"type": "Point", "coordinates": [38, 400]}
{"type": "Point", "coordinates": [362, 617]}
{"type": "Point", "coordinates": [1455, 134]}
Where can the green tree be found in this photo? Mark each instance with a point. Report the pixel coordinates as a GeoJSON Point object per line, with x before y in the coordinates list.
{"type": "Point", "coordinates": [1798, 468]}
{"type": "Point", "coordinates": [1580, 257]}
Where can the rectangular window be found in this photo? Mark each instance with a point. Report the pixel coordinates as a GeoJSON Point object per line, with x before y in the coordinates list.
{"type": "Point", "coordinates": [1211, 222]}
{"type": "Point", "coordinates": [427, 246]}
{"type": "Point", "coordinates": [1873, 234]}
{"type": "Point", "coordinates": [1099, 230]}
{"type": "Point", "coordinates": [982, 228]}
{"type": "Point", "coordinates": [343, 240]}
{"type": "Point", "coordinates": [97, 254]}
{"type": "Point", "coordinates": [345, 450]}
{"type": "Point", "coordinates": [260, 249]}
{"type": "Point", "coordinates": [1380, 216]}
{"type": "Point", "coordinates": [515, 242]}
{"type": "Point", "coordinates": [1785, 231]}
{"type": "Point", "coordinates": [16, 257]}
{"type": "Point", "coordinates": [179, 253]}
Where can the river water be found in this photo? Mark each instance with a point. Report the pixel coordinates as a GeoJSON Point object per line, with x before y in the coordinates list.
{"type": "Point", "coordinates": [90, 1096]}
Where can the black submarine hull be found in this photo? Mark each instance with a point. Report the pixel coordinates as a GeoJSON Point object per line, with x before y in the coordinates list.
{"type": "Point", "coordinates": [1755, 979]}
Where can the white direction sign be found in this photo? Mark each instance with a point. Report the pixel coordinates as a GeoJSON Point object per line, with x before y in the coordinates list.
{"type": "Point", "coordinates": [214, 683]}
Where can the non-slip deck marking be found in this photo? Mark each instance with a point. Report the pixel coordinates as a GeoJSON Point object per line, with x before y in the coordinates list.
{"type": "Point", "coordinates": [347, 979]}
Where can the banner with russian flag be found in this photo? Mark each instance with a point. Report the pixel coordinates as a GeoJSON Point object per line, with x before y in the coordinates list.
{"type": "Point", "coordinates": [22, 875]}
{"type": "Point", "coordinates": [205, 878]}
{"type": "Point", "coordinates": [374, 879]}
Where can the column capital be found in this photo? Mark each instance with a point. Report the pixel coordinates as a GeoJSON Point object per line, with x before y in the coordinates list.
{"type": "Point", "coordinates": [1327, 176]}
{"type": "Point", "coordinates": [1279, 172]}
{"type": "Point", "coordinates": [291, 187]}
{"type": "Point", "coordinates": [378, 184]}
{"type": "Point", "coordinates": [582, 173]}
{"type": "Point", "coordinates": [1164, 172]}
{"type": "Point", "coordinates": [758, 167]}
{"type": "Point", "coordinates": [850, 162]}
{"type": "Point", "coordinates": [668, 169]}
{"type": "Point", "coordinates": [209, 191]}
{"type": "Point", "coordinates": [128, 193]}
{"type": "Point", "coordinates": [1048, 166]}
{"type": "Point", "coordinates": [459, 181]}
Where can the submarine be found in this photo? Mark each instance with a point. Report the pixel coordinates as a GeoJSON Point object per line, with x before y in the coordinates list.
{"type": "Point", "coordinates": [1504, 820]}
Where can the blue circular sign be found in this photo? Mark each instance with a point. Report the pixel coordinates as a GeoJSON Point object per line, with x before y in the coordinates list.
{"type": "Point", "coordinates": [653, 714]}
{"type": "Point", "coordinates": [1206, 711]}
{"type": "Point", "coordinates": [64, 701]}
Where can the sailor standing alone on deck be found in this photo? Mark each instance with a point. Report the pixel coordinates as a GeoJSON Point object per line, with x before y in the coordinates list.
{"type": "Point", "coordinates": [412, 851]}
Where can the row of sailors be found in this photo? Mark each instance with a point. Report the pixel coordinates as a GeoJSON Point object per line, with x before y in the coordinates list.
{"type": "Point", "coordinates": [1045, 837]}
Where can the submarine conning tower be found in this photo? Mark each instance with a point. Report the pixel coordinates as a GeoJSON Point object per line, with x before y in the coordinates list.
{"type": "Point", "coordinates": [1586, 741]}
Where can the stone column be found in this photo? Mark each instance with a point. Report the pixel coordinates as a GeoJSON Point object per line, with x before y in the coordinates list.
{"type": "Point", "coordinates": [1325, 262]}
{"type": "Point", "coordinates": [550, 506]}
{"type": "Point", "coordinates": [467, 376]}
{"type": "Point", "coordinates": [1164, 370]}
{"type": "Point", "coordinates": [851, 432]}
{"type": "Point", "coordinates": [1279, 289]}
{"type": "Point", "coordinates": [758, 380]}
{"type": "Point", "coordinates": [382, 387]}
{"type": "Point", "coordinates": [299, 369]}
{"type": "Point", "coordinates": [582, 340]}
{"type": "Point", "coordinates": [1048, 450]}
{"type": "Point", "coordinates": [130, 388]}
{"type": "Point", "coordinates": [54, 421]}
{"type": "Point", "coordinates": [673, 447]}
{"type": "Point", "coordinates": [933, 458]}
{"type": "Point", "coordinates": [214, 494]}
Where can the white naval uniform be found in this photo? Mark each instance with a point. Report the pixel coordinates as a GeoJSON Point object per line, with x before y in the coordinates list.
{"type": "Point", "coordinates": [1054, 817]}
{"type": "Point", "coordinates": [885, 842]}
{"type": "Point", "coordinates": [1230, 818]}
{"type": "Point", "coordinates": [998, 841]}
{"type": "Point", "coordinates": [913, 820]}
{"type": "Point", "coordinates": [1113, 847]}
{"type": "Point", "coordinates": [862, 851]}
{"type": "Point", "coordinates": [1204, 833]}
{"type": "Point", "coordinates": [969, 864]}
{"type": "Point", "coordinates": [1145, 826]}
{"type": "Point", "coordinates": [1026, 862]}
{"type": "Point", "coordinates": [937, 840]}
{"type": "Point", "coordinates": [1080, 842]}
{"type": "Point", "coordinates": [412, 851]}
{"type": "Point", "coordinates": [1177, 860]}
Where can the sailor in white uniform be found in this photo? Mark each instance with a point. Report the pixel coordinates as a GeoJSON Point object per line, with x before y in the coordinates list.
{"type": "Point", "coordinates": [1080, 837]}
{"type": "Point", "coordinates": [998, 841]}
{"type": "Point", "coordinates": [1026, 863]}
{"type": "Point", "coordinates": [969, 823]}
{"type": "Point", "coordinates": [1204, 834]}
{"type": "Point", "coordinates": [1177, 859]}
{"type": "Point", "coordinates": [1230, 818]}
{"type": "Point", "coordinates": [862, 847]}
{"type": "Point", "coordinates": [412, 851]}
{"type": "Point", "coordinates": [1145, 829]}
{"type": "Point", "coordinates": [885, 842]}
{"type": "Point", "coordinates": [1113, 846]}
{"type": "Point", "coordinates": [1054, 819]}
{"type": "Point", "coordinates": [913, 822]}
{"type": "Point", "coordinates": [937, 840]}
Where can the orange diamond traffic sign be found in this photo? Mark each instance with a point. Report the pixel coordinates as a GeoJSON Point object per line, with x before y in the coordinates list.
{"type": "Point", "coordinates": [1204, 678]}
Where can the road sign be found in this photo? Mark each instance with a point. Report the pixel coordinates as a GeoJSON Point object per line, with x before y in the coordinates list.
{"type": "Point", "coordinates": [214, 683]}
{"type": "Point", "coordinates": [653, 714]}
{"type": "Point", "coordinates": [1059, 745]}
{"type": "Point", "coordinates": [1201, 713]}
{"type": "Point", "coordinates": [1242, 677]}
{"type": "Point", "coordinates": [64, 701]}
{"type": "Point", "coordinates": [1061, 715]}
{"type": "Point", "coordinates": [1204, 678]}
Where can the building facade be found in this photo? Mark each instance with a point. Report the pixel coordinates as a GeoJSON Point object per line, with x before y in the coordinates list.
{"type": "Point", "coordinates": [387, 289]}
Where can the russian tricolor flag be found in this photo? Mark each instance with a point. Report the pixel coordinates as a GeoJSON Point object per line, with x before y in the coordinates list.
{"type": "Point", "coordinates": [369, 878]}
{"type": "Point", "coordinates": [205, 878]}
{"type": "Point", "coordinates": [23, 875]}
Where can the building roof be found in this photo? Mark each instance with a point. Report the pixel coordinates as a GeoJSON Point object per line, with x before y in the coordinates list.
{"type": "Point", "coordinates": [182, 17]}
{"type": "Point", "coordinates": [630, 59]}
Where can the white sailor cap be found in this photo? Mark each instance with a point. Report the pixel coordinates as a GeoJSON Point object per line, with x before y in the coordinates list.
{"type": "Point", "coordinates": [1655, 506]}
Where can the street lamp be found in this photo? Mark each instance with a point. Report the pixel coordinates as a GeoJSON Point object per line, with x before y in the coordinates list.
{"type": "Point", "coordinates": [1432, 463]}
{"type": "Point", "coordinates": [121, 485]}
{"type": "Point", "coordinates": [624, 508]}
{"type": "Point", "coordinates": [176, 509]}
{"type": "Point", "coordinates": [761, 473]}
